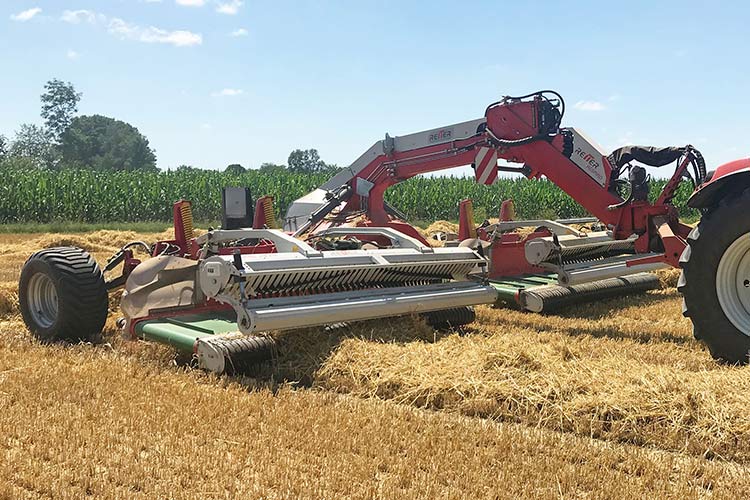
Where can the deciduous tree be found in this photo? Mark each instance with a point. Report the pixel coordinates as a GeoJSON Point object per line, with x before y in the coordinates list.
{"type": "Point", "coordinates": [35, 143]}
{"type": "Point", "coordinates": [305, 161]}
{"type": "Point", "coordinates": [59, 105]}
{"type": "Point", "coordinates": [235, 168]}
{"type": "Point", "coordinates": [100, 142]}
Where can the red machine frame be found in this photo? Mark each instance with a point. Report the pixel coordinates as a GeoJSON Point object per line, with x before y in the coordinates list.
{"type": "Point", "coordinates": [513, 130]}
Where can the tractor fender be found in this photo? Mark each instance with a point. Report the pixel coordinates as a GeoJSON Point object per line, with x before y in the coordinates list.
{"type": "Point", "coordinates": [728, 178]}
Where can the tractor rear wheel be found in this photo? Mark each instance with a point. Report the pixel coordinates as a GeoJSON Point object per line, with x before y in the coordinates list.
{"type": "Point", "coordinates": [62, 295]}
{"type": "Point", "coordinates": [715, 279]}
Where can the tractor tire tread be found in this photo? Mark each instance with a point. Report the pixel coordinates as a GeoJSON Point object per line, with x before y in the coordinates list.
{"type": "Point", "coordinates": [718, 228]}
{"type": "Point", "coordinates": [82, 295]}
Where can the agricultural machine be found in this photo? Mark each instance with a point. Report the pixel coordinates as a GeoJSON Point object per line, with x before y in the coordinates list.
{"type": "Point", "coordinates": [345, 255]}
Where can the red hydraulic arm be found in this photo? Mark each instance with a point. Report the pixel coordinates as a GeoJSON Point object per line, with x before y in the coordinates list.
{"type": "Point", "coordinates": [525, 130]}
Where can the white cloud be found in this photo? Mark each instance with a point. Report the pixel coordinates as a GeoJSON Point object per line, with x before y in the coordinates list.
{"type": "Point", "coordinates": [614, 97]}
{"type": "Point", "coordinates": [191, 3]}
{"type": "Point", "coordinates": [178, 38]}
{"type": "Point", "coordinates": [26, 15]}
{"type": "Point", "coordinates": [230, 8]}
{"type": "Point", "coordinates": [227, 93]}
{"type": "Point", "coordinates": [239, 32]}
{"type": "Point", "coordinates": [589, 106]}
{"type": "Point", "coordinates": [127, 31]}
{"type": "Point", "coordinates": [80, 16]}
{"type": "Point", "coordinates": [72, 54]}
{"type": "Point", "coordinates": [206, 126]}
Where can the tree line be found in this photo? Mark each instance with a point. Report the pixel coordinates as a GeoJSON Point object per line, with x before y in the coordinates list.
{"type": "Point", "coordinates": [66, 140]}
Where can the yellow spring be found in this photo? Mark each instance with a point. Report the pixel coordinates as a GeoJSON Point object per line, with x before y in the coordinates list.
{"type": "Point", "coordinates": [268, 214]}
{"type": "Point", "coordinates": [186, 212]}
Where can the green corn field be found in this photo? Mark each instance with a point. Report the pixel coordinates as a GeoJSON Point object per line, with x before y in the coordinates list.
{"type": "Point", "coordinates": [30, 195]}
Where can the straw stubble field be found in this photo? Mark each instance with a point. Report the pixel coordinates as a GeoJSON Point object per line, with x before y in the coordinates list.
{"type": "Point", "coordinates": [612, 399]}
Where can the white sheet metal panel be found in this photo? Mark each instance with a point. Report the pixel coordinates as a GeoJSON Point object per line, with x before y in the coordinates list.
{"type": "Point", "coordinates": [440, 135]}
{"type": "Point", "coordinates": [588, 156]}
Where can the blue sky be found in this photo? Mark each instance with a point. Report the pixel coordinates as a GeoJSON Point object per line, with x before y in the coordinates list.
{"type": "Point", "coordinates": [213, 82]}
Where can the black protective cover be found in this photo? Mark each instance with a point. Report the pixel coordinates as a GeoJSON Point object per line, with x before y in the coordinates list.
{"type": "Point", "coordinates": [648, 155]}
{"type": "Point", "coordinates": [228, 222]}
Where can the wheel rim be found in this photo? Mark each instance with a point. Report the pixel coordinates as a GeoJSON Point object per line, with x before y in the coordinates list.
{"type": "Point", "coordinates": [733, 283]}
{"type": "Point", "coordinates": [42, 297]}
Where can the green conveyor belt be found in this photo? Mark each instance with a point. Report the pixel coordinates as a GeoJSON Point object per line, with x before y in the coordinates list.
{"type": "Point", "coordinates": [538, 296]}
{"type": "Point", "coordinates": [508, 288]}
{"type": "Point", "coordinates": [181, 332]}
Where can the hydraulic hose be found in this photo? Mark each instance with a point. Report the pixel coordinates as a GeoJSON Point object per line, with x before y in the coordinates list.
{"type": "Point", "coordinates": [335, 198]}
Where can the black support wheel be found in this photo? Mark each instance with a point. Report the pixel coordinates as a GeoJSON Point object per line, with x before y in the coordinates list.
{"type": "Point", "coordinates": [715, 279]}
{"type": "Point", "coordinates": [447, 319]}
{"type": "Point", "coordinates": [62, 295]}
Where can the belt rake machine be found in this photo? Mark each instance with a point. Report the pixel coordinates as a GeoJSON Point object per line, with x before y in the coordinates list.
{"type": "Point", "coordinates": [346, 255]}
{"type": "Point", "coordinates": [216, 295]}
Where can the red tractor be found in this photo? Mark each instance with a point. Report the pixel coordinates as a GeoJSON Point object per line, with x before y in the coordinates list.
{"type": "Point", "coordinates": [715, 279]}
